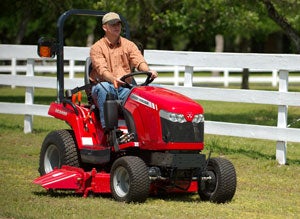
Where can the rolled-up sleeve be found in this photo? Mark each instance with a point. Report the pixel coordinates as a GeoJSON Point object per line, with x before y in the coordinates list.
{"type": "Point", "coordinates": [135, 57]}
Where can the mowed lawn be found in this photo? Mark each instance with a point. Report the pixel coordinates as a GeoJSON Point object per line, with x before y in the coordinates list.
{"type": "Point", "coordinates": [264, 188]}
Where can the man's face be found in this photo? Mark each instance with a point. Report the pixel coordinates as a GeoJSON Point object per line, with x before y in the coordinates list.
{"type": "Point", "coordinates": [113, 29]}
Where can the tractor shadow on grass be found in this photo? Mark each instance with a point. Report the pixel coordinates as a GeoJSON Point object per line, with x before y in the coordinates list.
{"type": "Point", "coordinates": [68, 194]}
{"type": "Point", "coordinates": [172, 197]}
{"type": "Point", "coordinates": [176, 197]}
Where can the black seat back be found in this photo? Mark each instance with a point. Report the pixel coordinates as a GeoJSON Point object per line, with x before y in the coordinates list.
{"type": "Point", "coordinates": [87, 70]}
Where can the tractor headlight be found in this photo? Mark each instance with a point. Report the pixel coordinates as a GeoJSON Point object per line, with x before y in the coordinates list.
{"type": "Point", "coordinates": [198, 118]}
{"type": "Point", "coordinates": [173, 117]}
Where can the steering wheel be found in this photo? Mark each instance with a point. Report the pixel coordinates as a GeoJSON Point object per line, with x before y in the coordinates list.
{"type": "Point", "coordinates": [130, 85]}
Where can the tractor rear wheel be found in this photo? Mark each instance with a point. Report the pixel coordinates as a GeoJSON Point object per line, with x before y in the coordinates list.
{"type": "Point", "coordinates": [129, 179]}
{"type": "Point", "coordinates": [218, 183]}
{"type": "Point", "coordinates": [59, 148]}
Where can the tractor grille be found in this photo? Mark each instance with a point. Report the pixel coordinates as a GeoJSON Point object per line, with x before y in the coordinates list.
{"type": "Point", "coordinates": [182, 132]}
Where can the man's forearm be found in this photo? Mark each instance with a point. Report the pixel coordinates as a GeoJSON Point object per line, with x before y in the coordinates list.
{"type": "Point", "coordinates": [143, 67]}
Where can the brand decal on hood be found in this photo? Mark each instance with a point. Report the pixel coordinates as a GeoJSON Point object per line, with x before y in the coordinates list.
{"type": "Point", "coordinates": [143, 101]}
{"type": "Point", "coordinates": [64, 113]}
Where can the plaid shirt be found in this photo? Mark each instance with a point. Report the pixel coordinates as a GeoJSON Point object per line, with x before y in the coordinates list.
{"type": "Point", "coordinates": [117, 59]}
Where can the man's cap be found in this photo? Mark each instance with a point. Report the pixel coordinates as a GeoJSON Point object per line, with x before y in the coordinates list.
{"type": "Point", "coordinates": [111, 18]}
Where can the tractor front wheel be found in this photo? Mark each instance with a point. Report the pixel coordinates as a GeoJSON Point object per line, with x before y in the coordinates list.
{"type": "Point", "coordinates": [59, 148]}
{"type": "Point", "coordinates": [129, 179]}
{"type": "Point", "coordinates": [218, 183]}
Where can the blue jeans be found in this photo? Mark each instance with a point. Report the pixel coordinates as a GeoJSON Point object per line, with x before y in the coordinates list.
{"type": "Point", "coordinates": [99, 96]}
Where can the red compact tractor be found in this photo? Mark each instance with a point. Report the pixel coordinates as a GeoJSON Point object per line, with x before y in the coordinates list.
{"type": "Point", "coordinates": [153, 147]}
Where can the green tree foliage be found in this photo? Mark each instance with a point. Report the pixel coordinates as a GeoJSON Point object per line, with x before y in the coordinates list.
{"type": "Point", "coordinates": [23, 21]}
{"type": "Point", "coordinates": [287, 24]}
{"type": "Point", "coordinates": [162, 24]}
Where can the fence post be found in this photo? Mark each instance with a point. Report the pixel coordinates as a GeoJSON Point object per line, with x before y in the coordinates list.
{"type": "Point", "coordinates": [188, 76]}
{"type": "Point", "coordinates": [29, 97]}
{"type": "Point", "coordinates": [176, 75]}
{"type": "Point", "coordinates": [226, 77]}
{"type": "Point", "coordinates": [281, 146]}
{"type": "Point", "coordinates": [71, 65]}
{"type": "Point", "coordinates": [274, 78]}
{"type": "Point", "coordinates": [13, 68]}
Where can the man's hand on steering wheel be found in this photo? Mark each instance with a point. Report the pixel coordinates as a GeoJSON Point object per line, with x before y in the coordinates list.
{"type": "Point", "coordinates": [118, 82]}
{"type": "Point", "coordinates": [151, 75]}
{"type": "Point", "coordinates": [154, 74]}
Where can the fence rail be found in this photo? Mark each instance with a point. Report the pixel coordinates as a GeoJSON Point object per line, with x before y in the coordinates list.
{"type": "Point", "coordinates": [48, 65]}
{"type": "Point", "coordinates": [189, 61]}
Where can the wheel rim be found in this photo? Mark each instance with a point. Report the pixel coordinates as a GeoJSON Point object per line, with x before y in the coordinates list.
{"type": "Point", "coordinates": [52, 158]}
{"type": "Point", "coordinates": [121, 181]}
{"type": "Point", "coordinates": [209, 186]}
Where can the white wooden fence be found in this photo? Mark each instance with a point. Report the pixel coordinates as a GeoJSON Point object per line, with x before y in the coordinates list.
{"type": "Point", "coordinates": [226, 78]}
{"type": "Point", "coordinates": [189, 61]}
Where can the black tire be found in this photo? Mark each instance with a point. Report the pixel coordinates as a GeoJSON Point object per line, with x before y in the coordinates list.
{"type": "Point", "coordinates": [129, 180]}
{"type": "Point", "coordinates": [222, 185]}
{"type": "Point", "coordinates": [59, 148]}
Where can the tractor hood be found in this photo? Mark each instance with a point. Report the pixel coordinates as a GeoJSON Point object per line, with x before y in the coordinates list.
{"type": "Point", "coordinates": [161, 98]}
{"type": "Point", "coordinates": [164, 120]}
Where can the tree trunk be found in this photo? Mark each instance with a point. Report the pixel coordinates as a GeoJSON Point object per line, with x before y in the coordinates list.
{"type": "Point", "coordinates": [22, 27]}
{"type": "Point", "coordinates": [245, 79]}
{"type": "Point", "coordinates": [282, 22]}
{"type": "Point", "coordinates": [219, 39]}
{"type": "Point", "coordinates": [144, 18]}
{"type": "Point", "coordinates": [245, 47]}
{"type": "Point", "coordinates": [90, 40]}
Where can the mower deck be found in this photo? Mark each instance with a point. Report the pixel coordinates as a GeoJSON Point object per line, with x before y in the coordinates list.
{"type": "Point", "coordinates": [81, 182]}
{"type": "Point", "coordinates": [76, 179]}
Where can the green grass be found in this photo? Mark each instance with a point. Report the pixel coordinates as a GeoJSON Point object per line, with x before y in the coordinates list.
{"type": "Point", "coordinates": [264, 190]}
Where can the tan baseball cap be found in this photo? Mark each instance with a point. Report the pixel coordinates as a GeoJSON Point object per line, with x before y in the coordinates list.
{"type": "Point", "coordinates": [111, 18]}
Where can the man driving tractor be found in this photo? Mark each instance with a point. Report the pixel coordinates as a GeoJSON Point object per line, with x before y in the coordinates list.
{"type": "Point", "coordinates": [113, 56]}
